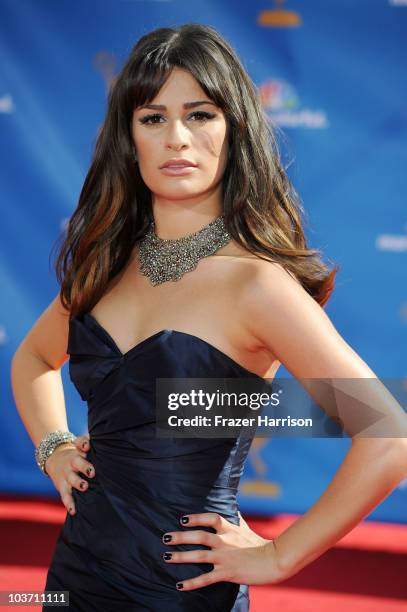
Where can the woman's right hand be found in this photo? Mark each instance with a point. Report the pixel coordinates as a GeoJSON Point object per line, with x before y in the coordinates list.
{"type": "Point", "coordinates": [63, 465]}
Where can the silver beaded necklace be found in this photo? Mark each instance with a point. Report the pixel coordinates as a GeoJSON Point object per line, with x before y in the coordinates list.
{"type": "Point", "coordinates": [164, 260]}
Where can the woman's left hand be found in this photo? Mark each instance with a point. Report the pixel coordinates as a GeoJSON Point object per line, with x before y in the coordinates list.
{"type": "Point", "coordinates": [237, 553]}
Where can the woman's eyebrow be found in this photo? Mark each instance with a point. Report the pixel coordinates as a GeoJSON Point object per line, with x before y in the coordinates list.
{"type": "Point", "coordinates": [185, 105]}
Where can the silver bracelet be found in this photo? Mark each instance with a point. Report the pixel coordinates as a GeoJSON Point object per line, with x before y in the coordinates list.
{"type": "Point", "coordinates": [48, 444]}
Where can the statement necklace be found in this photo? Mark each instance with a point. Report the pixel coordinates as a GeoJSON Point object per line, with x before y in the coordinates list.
{"type": "Point", "coordinates": [167, 260]}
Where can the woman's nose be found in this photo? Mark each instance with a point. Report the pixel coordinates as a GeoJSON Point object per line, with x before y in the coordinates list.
{"type": "Point", "coordinates": [176, 134]}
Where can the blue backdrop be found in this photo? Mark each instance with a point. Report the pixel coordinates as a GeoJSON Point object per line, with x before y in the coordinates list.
{"type": "Point", "coordinates": [331, 74]}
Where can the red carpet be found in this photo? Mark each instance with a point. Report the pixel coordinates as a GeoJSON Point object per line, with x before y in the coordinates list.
{"type": "Point", "coordinates": [365, 572]}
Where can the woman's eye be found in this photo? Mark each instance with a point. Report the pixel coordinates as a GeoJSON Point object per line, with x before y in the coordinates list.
{"type": "Point", "coordinates": [151, 119]}
{"type": "Point", "coordinates": [203, 115]}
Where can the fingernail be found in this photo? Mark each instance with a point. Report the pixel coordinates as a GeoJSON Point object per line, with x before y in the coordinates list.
{"type": "Point", "coordinates": [167, 538]}
{"type": "Point", "coordinates": [71, 510]}
{"type": "Point", "coordinates": [82, 484]}
{"type": "Point", "coordinates": [180, 585]}
{"type": "Point", "coordinates": [184, 519]}
{"type": "Point", "coordinates": [167, 556]}
{"type": "Point", "coordinates": [84, 445]}
{"type": "Point", "coordinates": [89, 471]}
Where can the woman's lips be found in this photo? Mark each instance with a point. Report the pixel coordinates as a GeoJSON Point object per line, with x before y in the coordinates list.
{"type": "Point", "coordinates": [177, 170]}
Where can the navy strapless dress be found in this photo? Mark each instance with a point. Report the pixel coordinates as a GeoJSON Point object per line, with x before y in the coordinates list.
{"type": "Point", "coordinates": [109, 554]}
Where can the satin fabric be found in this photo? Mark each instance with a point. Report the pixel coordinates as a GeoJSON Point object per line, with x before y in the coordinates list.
{"type": "Point", "coordinates": [109, 554]}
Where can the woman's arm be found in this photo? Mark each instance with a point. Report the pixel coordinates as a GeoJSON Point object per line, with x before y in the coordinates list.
{"type": "Point", "coordinates": [367, 475]}
{"type": "Point", "coordinates": [288, 322]}
{"type": "Point", "coordinates": [36, 374]}
{"type": "Point", "coordinates": [39, 397]}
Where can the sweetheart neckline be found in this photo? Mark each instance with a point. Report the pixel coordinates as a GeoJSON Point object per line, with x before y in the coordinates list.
{"type": "Point", "coordinates": [159, 333]}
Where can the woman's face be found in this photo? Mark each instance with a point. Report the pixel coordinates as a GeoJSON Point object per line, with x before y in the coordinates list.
{"type": "Point", "coordinates": [197, 134]}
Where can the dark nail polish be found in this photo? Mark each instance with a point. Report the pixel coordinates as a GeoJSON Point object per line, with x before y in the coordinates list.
{"type": "Point", "coordinates": [167, 556]}
{"type": "Point", "coordinates": [88, 471]}
{"type": "Point", "coordinates": [180, 585]}
{"type": "Point", "coordinates": [82, 484]}
{"type": "Point", "coordinates": [167, 538]}
{"type": "Point", "coordinates": [184, 519]}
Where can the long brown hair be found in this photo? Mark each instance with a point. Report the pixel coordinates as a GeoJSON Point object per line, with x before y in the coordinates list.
{"type": "Point", "coordinates": [263, 212]}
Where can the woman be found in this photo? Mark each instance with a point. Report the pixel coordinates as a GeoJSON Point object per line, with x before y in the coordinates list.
{"type": "Point", "coordinates": [185, 257]}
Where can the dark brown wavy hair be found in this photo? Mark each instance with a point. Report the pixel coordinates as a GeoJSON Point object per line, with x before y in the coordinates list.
{"type": "Point", "coordinates": [262, 210]}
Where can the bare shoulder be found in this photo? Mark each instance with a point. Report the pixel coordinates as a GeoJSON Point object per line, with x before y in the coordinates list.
{"type": "Point", "coordinates": [290, 323]}
{"type": "Point", "coordinates": [265, 273]}
{"type": "Point", "coordinates": [265, 289]}
{"type": "Point", "coordinates": [235, 251]}
{"type": "Point", "coordinates": [253, 278]}
{"type": "Point", "coordinates": [271, 292]}
{"type": "Point", "coordinates": [254, 272]}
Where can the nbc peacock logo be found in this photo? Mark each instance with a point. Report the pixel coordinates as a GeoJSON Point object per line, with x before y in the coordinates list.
{"type": "Point", "coordinates": [282, 104]}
